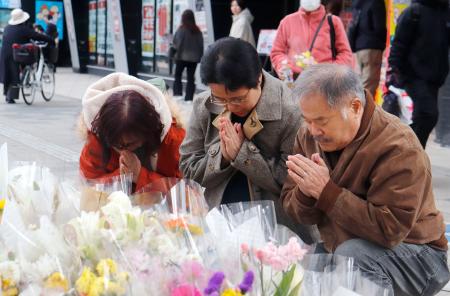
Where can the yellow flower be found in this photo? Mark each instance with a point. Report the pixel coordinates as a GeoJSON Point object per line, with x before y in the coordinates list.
{"type": "Point", "coordinates": [114, 288]}
{"type": "Point", "coordinates": [97, 287]}
{"type": "Point", "coordinates": [84, 282]}
{"type": "Point", "coordinates": [9, 288]}
{"type": "Point", "coordinates": [106, 267]}
{"type": "Point", "coordinates": [2, 203]}
{"type": "Point", "coordinates": [56, 281]}
{"type": "Point", "coordinates": [307, 54]}
{"type": "Point", "coordinates": [231, 292]}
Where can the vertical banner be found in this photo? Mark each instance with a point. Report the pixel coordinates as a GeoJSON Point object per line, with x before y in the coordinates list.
{"type": "Point", "coordinates": [163, 36]}
{"type": "Point", "coordinates": [109, 38]}
{"type": "Point", "coordinates": [178, 7]}
{"type": "Point", "coordinates": [101, 32]}
{"type": "Point", "coordinates": [71, 34]}
{"type": "Point", "coordinates": [92, 38]}
{"type": "Point", "coordinates": [53, 8]}
{"type": "Point", "coordinates": [117, 39]}
{"type": "Point", "coordinates": [148, 34]}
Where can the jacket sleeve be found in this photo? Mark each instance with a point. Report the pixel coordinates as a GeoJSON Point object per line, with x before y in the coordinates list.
{"type": "Point", "coordinates": [197, 163]}
{"type": "Point", "coordinates": [177, 39]}
{"type": "Point", "coordinates": [280, 47]}
{"type": "Point", "coordinates": [344, 52]}
{"type": "Point", "coordinates": [299, 207]}
{"type": "Point", "coordinates": [268, 173]}
{"type": "Point", "coordinates": [40, 37]}
{"type": "Point", "coordinates": [403, 39]}
{"type": "Point", "coordinates": [91, 163]}
{"type": "Point", "coordinates": [392, 203]}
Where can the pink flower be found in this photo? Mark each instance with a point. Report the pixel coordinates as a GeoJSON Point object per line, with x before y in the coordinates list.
{"type": "Point", "coordinates": [186, 290]}
{"type": "Point", "coordinates": [192, 270]}
{"type": "Point", "coordinates": [260, 255]}
{"type": "Point", "coordinates": [245, 249]}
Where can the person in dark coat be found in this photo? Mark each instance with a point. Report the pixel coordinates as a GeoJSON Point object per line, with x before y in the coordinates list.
{"type": "Point", "coordinates": [367, 36]}
{"type": "Point", "coordinates": [188, 42]}
{"type": "Point", "coordinates": [51, 29]}
{"type": "Point", "coordinates": [19, 31]}
{"type": "Point", "coordinates": [419, 60]}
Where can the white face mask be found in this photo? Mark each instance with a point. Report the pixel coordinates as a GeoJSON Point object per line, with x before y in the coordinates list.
{"type": "Point", "coordinates": [310, 5]}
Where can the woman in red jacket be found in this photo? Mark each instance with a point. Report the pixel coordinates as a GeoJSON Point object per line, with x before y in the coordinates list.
{"type": "Point", "coordinates": [130, 130]}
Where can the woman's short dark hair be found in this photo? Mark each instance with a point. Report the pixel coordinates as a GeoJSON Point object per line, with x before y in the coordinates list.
{"type": "Point", "coordinates": [241, 4]}
{"type": "Point", "coordinates": [231, 62]}
{"type": "Point", "coordinates": [128, 113]}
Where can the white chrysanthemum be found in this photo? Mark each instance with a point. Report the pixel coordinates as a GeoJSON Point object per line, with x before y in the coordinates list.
{"type": "Point", "coordinates": [10, 270]}
{"type": "Point", "coordinates": [116, 209]}
{"type": "Point", "coordinates": [40, 269]}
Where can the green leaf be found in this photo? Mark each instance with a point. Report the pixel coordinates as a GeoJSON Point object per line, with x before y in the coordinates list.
{"type": "Point", "coordinates": [286, 281]}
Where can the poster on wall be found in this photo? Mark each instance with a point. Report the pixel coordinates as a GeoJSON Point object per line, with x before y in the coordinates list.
{"type": "Point", "coordinates": [53, 8]}
{"type": "Point", "coordinates": [265, 41]}
{"type": "Point", "coordinates": [200, 16]}
{"type": "Point", "coordinates": [178, 7]}
{"type": "Point", "coordinates": [92, 47]}
{"type": "Point", "coordinates": [163, 36]}
{"type": "Point", "coordinates": [148, 27]}
{"type": "Point", "coordinates": [101, 32]}
{"type": "Point", "coordinates": [10, 3]}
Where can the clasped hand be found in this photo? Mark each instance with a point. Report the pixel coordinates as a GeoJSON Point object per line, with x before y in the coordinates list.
{"type": "Point", "coordinates": [231, 138]}
{"type": "Point", "coordinates": [130, 164]}
{"type": "Point", "coordinates": [311, 175]}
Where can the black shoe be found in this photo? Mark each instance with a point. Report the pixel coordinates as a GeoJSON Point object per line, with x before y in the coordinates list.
{"type": "Point", "coordinates": [10, 101]}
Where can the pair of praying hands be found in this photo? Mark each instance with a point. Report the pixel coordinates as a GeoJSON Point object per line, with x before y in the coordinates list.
{"type": "Point", "coordinates": [130, 164]}
{"type": "Point", "coordinates": [310, 175]}
{"type": "Point", "coordinates": [231, 138]}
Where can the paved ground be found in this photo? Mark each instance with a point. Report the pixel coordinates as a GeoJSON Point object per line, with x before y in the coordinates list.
{"type": "Point", "coordinates": [46, 133]}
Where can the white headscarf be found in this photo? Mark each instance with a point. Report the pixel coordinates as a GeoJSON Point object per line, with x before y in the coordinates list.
{"type": "Point", "coordinates": [97, 94]}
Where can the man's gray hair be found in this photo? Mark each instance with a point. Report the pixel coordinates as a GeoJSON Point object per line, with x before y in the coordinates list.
{"type": "Point", "coordinates": [336, 83]}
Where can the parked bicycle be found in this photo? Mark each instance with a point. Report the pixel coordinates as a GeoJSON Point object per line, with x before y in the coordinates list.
{"type": "Point", "coordinates": [37, 73]}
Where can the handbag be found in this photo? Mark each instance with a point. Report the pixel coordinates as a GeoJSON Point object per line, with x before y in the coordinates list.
{"type": "Point", "coordinates": [172, 52]}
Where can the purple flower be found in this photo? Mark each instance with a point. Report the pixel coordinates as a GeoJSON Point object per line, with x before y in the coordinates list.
{"type": "Point", "coordinates": [214, 283]}
{"type": "Point", "coordinates": [247, 282]}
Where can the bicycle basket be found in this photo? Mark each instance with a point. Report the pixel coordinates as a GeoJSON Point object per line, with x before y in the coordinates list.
{"type": "Point", "coordinates": [25, 54]}
{"type": "Point", "coordinates": [51, 54]}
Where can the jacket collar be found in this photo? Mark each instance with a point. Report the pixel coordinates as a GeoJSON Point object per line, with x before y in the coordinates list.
{"type": "Point", "coordinates": [318, 12]}
{"type": "Point", "coordinates": [269, 107]}
{"type": "Point", "coordinates": [367, 115]}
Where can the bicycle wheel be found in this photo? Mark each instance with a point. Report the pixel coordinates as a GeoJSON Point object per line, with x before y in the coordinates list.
{"type": "Point", "coordinates": [48, 82]}
{"type": "Point", "coordinates": [28, 86]}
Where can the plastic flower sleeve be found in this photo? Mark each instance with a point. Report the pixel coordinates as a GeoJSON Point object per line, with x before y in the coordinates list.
{"type": "Point", "coordinates": [95, 192]}
{"type": "Point", "coordinates": [34, 189]}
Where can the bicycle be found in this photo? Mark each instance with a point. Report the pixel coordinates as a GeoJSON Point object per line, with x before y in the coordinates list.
{"type": "Point", "coordinates": [37, 76]}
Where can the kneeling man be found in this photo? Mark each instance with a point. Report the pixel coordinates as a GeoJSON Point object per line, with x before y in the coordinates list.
{"type": "Point", "coordinates": [364, 179]}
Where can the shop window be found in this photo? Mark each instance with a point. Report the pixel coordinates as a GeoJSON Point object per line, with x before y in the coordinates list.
{"type": "Point", "coordinates": [100, 38]}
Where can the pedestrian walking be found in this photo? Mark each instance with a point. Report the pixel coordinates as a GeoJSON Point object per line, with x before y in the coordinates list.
{"type": "Point", "coordinates": [19, 30]}
{"type": "Point", "coordinates": [188, 46]}
{"type": "Point", "coordinates": [367, 36]}
{"type": "Point", "coordinates": [364, 179]}
{"type": "Point", "coordinates": [419, 60]}
{"type": "Point", "coordinates": [130, 128]}
{"type": "Point", "coordinates": [309, 34]}
{"type": "Point", "coordinates": [242, 22]}
{"type": "Point", "coordinates": [241, 130]}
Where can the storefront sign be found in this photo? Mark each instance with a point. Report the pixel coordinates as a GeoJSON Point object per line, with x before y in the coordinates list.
{"type": "Point", "coordinates": [9, 3]}
{"type": "Point", "coordinates": [92, 47]}
{"type": "Point", "coordinates": [53, 8]}
{"type": "Point", "coordinates": [265, 41]}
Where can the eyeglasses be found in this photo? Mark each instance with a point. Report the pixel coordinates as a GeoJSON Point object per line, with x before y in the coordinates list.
{"type": "Point", "coordinates": [233, 101]}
